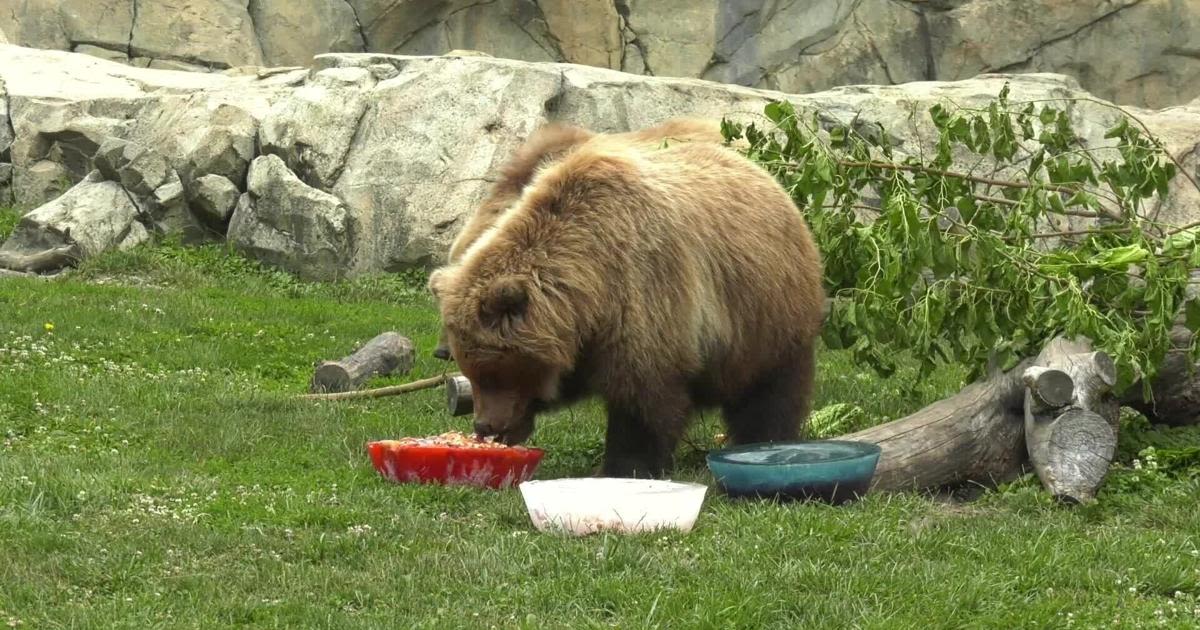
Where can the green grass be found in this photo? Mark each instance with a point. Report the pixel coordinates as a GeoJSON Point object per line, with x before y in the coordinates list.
{"type": "Point", "coordinates": [8, 221]}
{"type": "Point", "coordinates": [156, 473]}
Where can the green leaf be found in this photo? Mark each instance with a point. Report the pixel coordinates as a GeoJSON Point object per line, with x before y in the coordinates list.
{"type": "Point", "coordinates": [1191, 310]}
{"type": "Point", "coordinates": [1120, 257]}
{"type": "Point", "coordinates": [939, 115]}
{"type": "Point", "coordinates": [774, 111]}
{"type": "Point", "coordinates": [1047, 115]}
{"type": "Point", "coordinates": [1118, 130]}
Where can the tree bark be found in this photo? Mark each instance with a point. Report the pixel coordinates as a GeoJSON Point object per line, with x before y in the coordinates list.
{"type": "Point", "coordinates": [976, 435]}
{"type": "Point", "coordinates": [386, 354]}
{"type": "Point", "coordinates": [49, 260]}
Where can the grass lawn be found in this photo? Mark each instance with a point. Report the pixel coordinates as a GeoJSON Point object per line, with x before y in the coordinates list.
{"type": "Point", "coordinates": [155, 471]}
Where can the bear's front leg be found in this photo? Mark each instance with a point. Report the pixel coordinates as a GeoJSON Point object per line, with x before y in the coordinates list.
{"type": "Point", "coordinates": [641, 437]}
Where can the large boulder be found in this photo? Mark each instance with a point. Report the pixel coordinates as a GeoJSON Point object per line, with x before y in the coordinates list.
{"type": "Point", "coordinates": [213, 198]}
{"type": "Point", "coordinates": [93, 217]}
{"type": "Point", "coordinates": [6, 173]}
{"type": "Point", "coordinates": [292, 32]}
{"type": "Point", "coordinates": [66, 24]}
{"type": "Point", "coordinates": [312, 129]}
{"type": "Point", "coordinates": [284, 222]}
{"type": "Point", "coordinates": [59, 123]}
{"type": "Point", "coordinates": [217, 33]}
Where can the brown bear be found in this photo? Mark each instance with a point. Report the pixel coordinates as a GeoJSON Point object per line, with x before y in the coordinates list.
{"type": "Point", "coordinates": [663, 280]}
{"type": "Point", "coordinates": [546, 145]}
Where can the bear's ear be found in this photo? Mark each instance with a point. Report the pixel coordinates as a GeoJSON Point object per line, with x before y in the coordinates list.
{"type": "Point", "coordinates": [436, 279]}
{"type": "Point", "coordinates": [504, 301]}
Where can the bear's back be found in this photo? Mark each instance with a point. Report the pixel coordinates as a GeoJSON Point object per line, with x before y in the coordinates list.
{"type": "Point", "coordinates": [706, 255]}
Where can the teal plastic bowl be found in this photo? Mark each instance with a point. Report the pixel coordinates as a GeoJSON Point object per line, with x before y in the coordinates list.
{"type": "Point", "coordinates": [834, 471]}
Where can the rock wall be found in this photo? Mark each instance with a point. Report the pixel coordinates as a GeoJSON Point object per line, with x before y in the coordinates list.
{"type": "Point", "coordinates": [1140, 52]}
{"type": "Point", "coordinates": [368, 163]}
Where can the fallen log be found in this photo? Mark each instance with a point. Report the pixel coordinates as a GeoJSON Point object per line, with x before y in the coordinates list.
{"type": "Point", "coordinates": [974, 436]}
{"type": "Point", "coordinates": [48, 260]}
{"type": "Point", "coordinates": [388, 353]}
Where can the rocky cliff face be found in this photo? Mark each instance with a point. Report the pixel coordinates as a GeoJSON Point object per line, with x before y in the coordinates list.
{"type": "Point", "coordinates": [1140, 52]}
{"type": "Point", "coordinates": [368, 163]}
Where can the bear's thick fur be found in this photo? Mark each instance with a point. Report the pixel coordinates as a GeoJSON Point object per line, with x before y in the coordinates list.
{"type": "Point", "coordinates": [663, 280]}
{"type": "Point", "coordinates": [546, 145]}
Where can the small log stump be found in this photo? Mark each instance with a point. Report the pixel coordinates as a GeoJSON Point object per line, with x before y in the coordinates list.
{"type": "Point", "coordinates": [388, 353]}
{"type": "Point", "coordinates": [1071, 419]}
{"type": "Point", "coordinates": [458, 395]}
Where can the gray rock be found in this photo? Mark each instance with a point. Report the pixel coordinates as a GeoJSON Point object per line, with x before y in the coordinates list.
{"type": "Point", "coordinates": [426, 147]}
{"type": "Point", "coordinates": [62, 23]}
{"type": "Point", "coordinates": [292, 32]}
{"type": "Point", "coordinates": [40, 182]}
{"type": "Point", "coordinates": [92, 217]}
{"type": "Point", "coordinates": [137, 168]}
{"type": "Point", "coordinates": [217, 137]}
{"type": "Point", "coordinates": [215, 33]}
{"type": "Point", "coordinates": [6, 192]}
{"type": "Point", "coordinates": [371, 162]}
{"type": "Point", "coordinates": [169, 64]}
{"type": "Point", "coordinates": [110, 158]}
{"type": "Point", "coordinates": [312, 131]}
{"type": "Point", "coordinates": [102, 53]}
{"type": "Point", "coordinates": [196, 124]}
{"type": "Point", "coordinates": [214, 198]}
{"type": "Point", "coordinates": [588, 33]}
{"type": "Point", "coordinates": [284, 222]}
{"type": "Point", "coordinates": [677, 38]}
{"type": "Point", "coordinates": [6, 129]}
{"type": "Point", "coordinates": [151, 182]}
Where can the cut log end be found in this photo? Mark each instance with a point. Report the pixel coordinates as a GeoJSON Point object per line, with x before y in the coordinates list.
{"type": "Point", "coordinates": [1051, 388]}
{"type": "Point", "coordinates": [332, 376]}
{"type": "Point", "coordinates": [458, 396]}
{"type": "Point", "coordinates": [1071, 453]}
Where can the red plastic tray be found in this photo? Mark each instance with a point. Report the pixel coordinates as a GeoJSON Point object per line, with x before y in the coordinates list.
{"type": "Point", "coordinates": [454, 466]}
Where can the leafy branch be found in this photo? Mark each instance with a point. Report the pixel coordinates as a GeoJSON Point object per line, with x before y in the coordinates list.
{"type": "Point", "coordinates": [926, 256]}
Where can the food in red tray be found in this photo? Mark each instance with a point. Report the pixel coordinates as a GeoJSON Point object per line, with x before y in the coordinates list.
{"type": "Point", "coordinates": [450, 438]}
{"type": "Point", "coordinates": [453, 458]}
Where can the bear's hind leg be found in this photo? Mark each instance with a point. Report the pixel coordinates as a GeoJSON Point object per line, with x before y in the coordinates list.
{"type": "Point", "coordinates": [774, 408]}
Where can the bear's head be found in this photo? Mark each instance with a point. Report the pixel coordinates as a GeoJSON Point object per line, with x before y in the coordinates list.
{"type": "Point", "coordinates": [504, 334]}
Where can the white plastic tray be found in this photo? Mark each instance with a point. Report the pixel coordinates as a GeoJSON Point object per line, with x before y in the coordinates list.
{"type": "Point", "coordinates": [588, 505]}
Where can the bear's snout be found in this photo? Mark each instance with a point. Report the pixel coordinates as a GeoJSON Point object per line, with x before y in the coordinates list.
{"type": "Point", "coordinates": [484, 429]}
